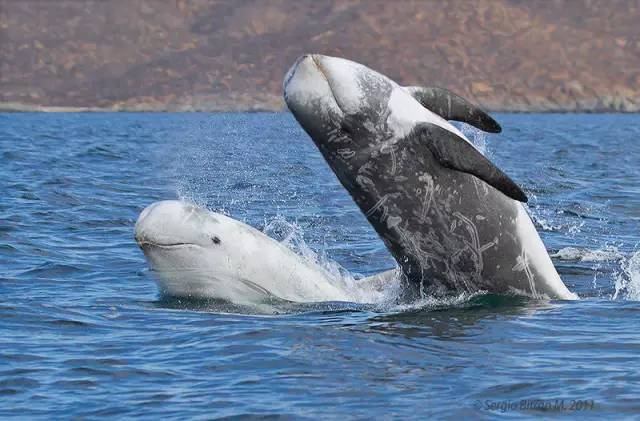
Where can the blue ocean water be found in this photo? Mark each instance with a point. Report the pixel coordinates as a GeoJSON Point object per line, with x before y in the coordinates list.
{"type": "Point", "coordinates": [83, 332]}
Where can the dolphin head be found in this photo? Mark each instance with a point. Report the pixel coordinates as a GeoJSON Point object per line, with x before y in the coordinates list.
{"type": "Point", "coordinates": [350, 110]}
{"type": "Point", "coordinates": [341, 104]}
{"type": "Point", "coordinates": [174, 224]}
{"type": "Point", "coordinates": [193, 251]}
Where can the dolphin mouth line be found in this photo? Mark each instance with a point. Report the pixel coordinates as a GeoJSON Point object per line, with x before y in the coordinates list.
{"type": "Point", "coordinates": [324, 76]}
{"type": "Point", "coordinates": [147, 243]}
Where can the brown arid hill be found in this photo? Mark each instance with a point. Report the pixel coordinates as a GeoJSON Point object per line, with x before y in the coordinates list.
{"type": "Point", "coordinates": [232, 55]}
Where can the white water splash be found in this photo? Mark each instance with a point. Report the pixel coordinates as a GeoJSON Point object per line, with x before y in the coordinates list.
{"type": "Point", "coordinates": [431, 302]}
{"type": "Point", "coordinates": [476, 136]}
{"type": "Point", "coordinates": [551, 219]}
{"type": "Point", "coordinates": [606, 254]}
{"type": "Point", "coordinates": [541, 218]}
{"type": "Point", "coordinates": [371, 290]}
{"type": "Point", "coordinates": [627, 285]}
{"type": "Point", "coordinates": [380, 290]}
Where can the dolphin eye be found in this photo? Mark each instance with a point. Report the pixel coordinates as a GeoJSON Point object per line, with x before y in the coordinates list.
{"type": "Point", "coordinates": [215, 240]}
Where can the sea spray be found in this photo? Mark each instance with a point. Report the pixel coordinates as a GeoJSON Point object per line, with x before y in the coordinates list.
{"type": "Point", "coordinates": [358, 288]}
{"type": "Point", "coordinates": [476, 136]}
{"type": "Point", "coordinates": [627, 279]}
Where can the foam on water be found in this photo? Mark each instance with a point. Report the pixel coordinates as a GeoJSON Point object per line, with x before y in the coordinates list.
{"type": "Point", "coordinates": [432, 303]}
{"type": "Point", "coordinates": [608, 253]}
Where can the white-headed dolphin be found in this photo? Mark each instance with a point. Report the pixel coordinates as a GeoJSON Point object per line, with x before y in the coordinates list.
{"type": "Point", "coordinates": [197, 253]}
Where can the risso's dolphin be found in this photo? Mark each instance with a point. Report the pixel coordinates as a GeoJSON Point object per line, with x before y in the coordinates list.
{"type": "Point", "coordinates": [448, 215]}
{"type": "Point", "coordinates": [197, 253]}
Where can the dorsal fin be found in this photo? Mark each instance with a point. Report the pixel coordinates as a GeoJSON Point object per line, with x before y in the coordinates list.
{"type": "Point", "coordinates": [452, 151]}
{"type": "Point", "coordinates": [453, 107]}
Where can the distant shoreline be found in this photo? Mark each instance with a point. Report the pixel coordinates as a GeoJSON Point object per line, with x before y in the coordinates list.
{"type": "Point", "coordinates": [28, 108]}
{"type": "Point", "coordinates": [181, 56]}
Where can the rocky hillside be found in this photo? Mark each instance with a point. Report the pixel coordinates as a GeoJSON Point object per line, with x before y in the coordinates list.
{"type": "Point", "coordinates": [231, 55]}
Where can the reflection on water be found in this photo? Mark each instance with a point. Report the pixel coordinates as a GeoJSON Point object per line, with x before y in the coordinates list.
{"type": "Point", "coordinates": [457, 321]}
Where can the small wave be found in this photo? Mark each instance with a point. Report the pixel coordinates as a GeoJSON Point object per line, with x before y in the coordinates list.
{"type": "Point", "coordinates": [50, 269]}
{"type": "Point", "coordinates": [582, 212]}
{"type": "Point", "coordinates": [29, 196]}
{"type": "Point", "coordinates": [69, 323]}
{"type": "Point", "coordinates": [7, 248]}
{"type": "Point", "coordinates": [100, 151]}
{"type": "Point", "coordinates": [606, 254]}
{"type": "Point", "coordinates": [627, 279]}
{"type": "Point", "coordinates": [10, 156]}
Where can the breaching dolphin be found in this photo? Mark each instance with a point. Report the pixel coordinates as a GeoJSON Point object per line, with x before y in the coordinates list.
{"type": "Point", "coordinates": [451, 219]}
{"type": "Point", "coordinates": [198, 253]}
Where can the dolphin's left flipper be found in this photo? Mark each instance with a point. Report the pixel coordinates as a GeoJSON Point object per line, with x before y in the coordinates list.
{"type": "Point", "coordinates": [453, 107]}
{"type": "Point", "coordinates": [452, 151]}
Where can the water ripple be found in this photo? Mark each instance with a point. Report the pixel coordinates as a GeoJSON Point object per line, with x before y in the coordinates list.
{"type": "Point", "coordinates": [85, 334]}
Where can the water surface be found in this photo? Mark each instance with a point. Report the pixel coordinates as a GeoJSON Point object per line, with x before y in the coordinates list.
{"type": "Point", "coordinates": [84, 332]}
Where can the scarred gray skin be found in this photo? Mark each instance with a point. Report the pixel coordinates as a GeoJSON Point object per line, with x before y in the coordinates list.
{"type": "Point", "coordinates": [447, 229]}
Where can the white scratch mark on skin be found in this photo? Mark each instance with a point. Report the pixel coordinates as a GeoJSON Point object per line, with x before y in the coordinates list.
{"type": "Point", "coordinates": [388, 148]}
{"type": "Point", "coordinates": [475, 243]}
{"type": "Point", "coordinates": [336, 135]}
{"type": "Point", "coordinates": [489, 245]}
{"type": "Point", "coordinates": [365, 182]}
{"type": "Point", "coordinates": [481, 187]}
{"type": "Point", "coordinates": [428, 195]}
{"type": "Point", "coordinates": [393, 221]}
{"type": "Point", "coordinates": [346, 153]}
{"type": "Point", "coordinates": [378, 205]}
{"type": "Point", "coordinates": [530, 277]}
{"type": "Point", "coordinates": [420, 255]}
{"type": "Point", "coordinates": [472, 229]}
{"type": "Point", "coordinates": [522, 265]}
